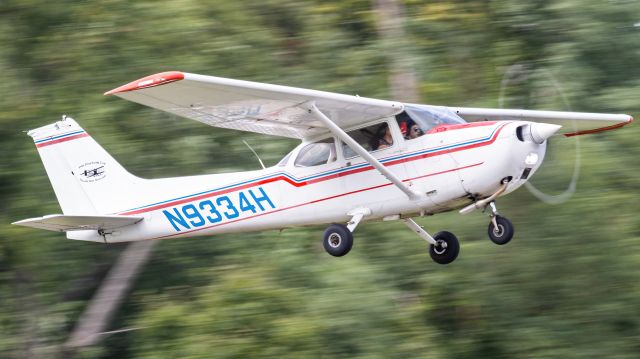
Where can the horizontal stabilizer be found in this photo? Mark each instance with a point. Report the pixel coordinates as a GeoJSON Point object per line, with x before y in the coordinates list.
{"type": "Point", "coordinates": [64, 223]}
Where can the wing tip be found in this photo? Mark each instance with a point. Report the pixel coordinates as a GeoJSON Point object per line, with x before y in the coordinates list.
{"type": "Point", "coordinates": [601, 129]}
{"type": "Point", "coordinates": [158, 79]}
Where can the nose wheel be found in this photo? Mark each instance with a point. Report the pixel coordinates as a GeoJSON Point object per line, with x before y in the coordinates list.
{"type": "Point", "coordinates": [500, 229]}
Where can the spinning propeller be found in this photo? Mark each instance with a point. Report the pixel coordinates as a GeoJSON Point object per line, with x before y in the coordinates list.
{"type": "Point", "coordinates": [526, 87]}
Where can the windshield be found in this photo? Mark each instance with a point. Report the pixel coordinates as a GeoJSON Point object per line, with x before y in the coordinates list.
{"type": "Point", "coordinates": [428, 117]}
{"type": "Point", "coordinates": [283, 162]}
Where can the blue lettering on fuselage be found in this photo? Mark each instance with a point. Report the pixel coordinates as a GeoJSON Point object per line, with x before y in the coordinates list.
{"type": "Point", "coordinates": [218, 209]}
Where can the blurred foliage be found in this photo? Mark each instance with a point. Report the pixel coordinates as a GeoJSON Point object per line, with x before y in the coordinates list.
{"type": "Point", "coordinates": [567, 286]}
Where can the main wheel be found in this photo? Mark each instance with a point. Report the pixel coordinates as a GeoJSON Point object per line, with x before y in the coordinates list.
{"type": "Point", "coordinates": [503, 233]}
{"type": "Point", "coordinates": [446, 249]}
{"type": "Point", "coordinates": [337, 240]}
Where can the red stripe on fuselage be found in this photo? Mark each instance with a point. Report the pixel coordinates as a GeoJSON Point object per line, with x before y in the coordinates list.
{"type": "Point", "coordinates": [439, 173]}
{"type": "Point", "coordinates": [449, 150]}
{"type": "Point", "coordinates": [459, 126]}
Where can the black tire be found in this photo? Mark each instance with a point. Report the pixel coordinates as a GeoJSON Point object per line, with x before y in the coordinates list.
{"type": "Point", "coordinates": [441, 254]}
{"type": "Point", "coordinates": [337, 240]}
{"type": "Point", "coordinates": [504, 232]}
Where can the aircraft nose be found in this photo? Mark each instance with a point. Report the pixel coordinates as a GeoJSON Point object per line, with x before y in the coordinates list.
{"type": "Point", "coordinates": [541, 131]}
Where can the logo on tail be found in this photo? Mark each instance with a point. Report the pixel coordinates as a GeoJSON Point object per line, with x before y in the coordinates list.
{"type": "Point", "coordinates": [91, 171]}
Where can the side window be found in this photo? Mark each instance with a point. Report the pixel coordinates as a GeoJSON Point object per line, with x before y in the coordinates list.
{"type": "Point", "coordinates": [317, 153]}
{"type": "Point", "coordinates": [372, 138]}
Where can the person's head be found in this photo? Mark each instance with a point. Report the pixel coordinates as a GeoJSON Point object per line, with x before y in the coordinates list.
{"type": "Point", "coordinates": [415, 131]}
{"type": "Point", "coordinates": [387, 133]}
{"type": "Point", "coordinates": [383, 131]}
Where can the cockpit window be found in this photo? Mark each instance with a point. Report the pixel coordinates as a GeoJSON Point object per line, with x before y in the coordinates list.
{"type": "Point", "coordinates": [417, 120]}
{"type": "Point", "coordinates": [317, 153]}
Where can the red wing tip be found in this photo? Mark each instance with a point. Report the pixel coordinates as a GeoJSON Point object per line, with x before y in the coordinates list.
{"type": "Point", "coordinates": [601, 129]}
{"type": "Point", "coordinates": [149, 81]}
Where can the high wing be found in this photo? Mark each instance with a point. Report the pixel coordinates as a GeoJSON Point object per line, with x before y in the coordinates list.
{"type": "Point", "coordinates": [573, 123]}
{"type": "Point", "coordinates": [65, 223]}
{"type": "Point", "coordinates": [252, 106]}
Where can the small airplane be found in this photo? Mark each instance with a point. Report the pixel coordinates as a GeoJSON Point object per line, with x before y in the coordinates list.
{"type": "Point", "coordinates": [360, 159]}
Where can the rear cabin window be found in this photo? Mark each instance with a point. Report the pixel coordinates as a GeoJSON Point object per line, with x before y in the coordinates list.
{"type": "Point", "coordinates": [317, 153]}
{"type": "Point", "coordinates": [372, 138]}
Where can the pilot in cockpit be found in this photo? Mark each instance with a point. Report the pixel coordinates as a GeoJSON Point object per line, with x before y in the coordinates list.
{"type": "Point", "coordinates": [409, 128]}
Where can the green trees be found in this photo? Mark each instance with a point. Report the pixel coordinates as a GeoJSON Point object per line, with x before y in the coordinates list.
{"type": "Point", "coordinates": [567, 285]}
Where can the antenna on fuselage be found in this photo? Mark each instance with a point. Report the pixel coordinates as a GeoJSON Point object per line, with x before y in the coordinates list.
{"type": "Point", "coordinates": [254, 152]}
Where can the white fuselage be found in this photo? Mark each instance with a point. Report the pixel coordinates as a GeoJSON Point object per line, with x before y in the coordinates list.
{"type": "Point", "coordinates": [450, 169]}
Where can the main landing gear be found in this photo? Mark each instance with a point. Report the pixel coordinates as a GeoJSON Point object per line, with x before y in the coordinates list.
{"type": "Point", "coordinates": [338, 238]}
{"type": "Point", "coordinates": [443, 247]}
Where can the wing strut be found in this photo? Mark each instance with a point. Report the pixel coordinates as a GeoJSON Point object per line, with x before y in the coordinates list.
{"type": "Point", "coordinates": [338, 132]}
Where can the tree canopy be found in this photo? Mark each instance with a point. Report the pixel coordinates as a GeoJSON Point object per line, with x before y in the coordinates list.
{"type": "Point", "coordinates": [567, 286]}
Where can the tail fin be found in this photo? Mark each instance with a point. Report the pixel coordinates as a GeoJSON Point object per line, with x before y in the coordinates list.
{"type": "Point", "coordinates": [85, 178]}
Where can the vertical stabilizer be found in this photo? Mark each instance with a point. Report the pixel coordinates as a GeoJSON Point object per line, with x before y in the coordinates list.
{"type": "Point", "coordinates": [85, 178]}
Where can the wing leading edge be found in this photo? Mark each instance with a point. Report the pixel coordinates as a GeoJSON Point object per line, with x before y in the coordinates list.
{"type": "Point", "coordinates": [252, 106]}
{"type": "Point", "coordinates": [282, 110]}
{"type": "Point", "coordinates": [573, 123]}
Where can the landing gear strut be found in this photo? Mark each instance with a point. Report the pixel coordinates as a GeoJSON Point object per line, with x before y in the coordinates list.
{"type": "Point", "coordinates": [443, 247]}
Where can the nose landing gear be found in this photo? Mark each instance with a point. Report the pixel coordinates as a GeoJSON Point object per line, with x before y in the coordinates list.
{"type": "Point", "coordinates": [500, 229]}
